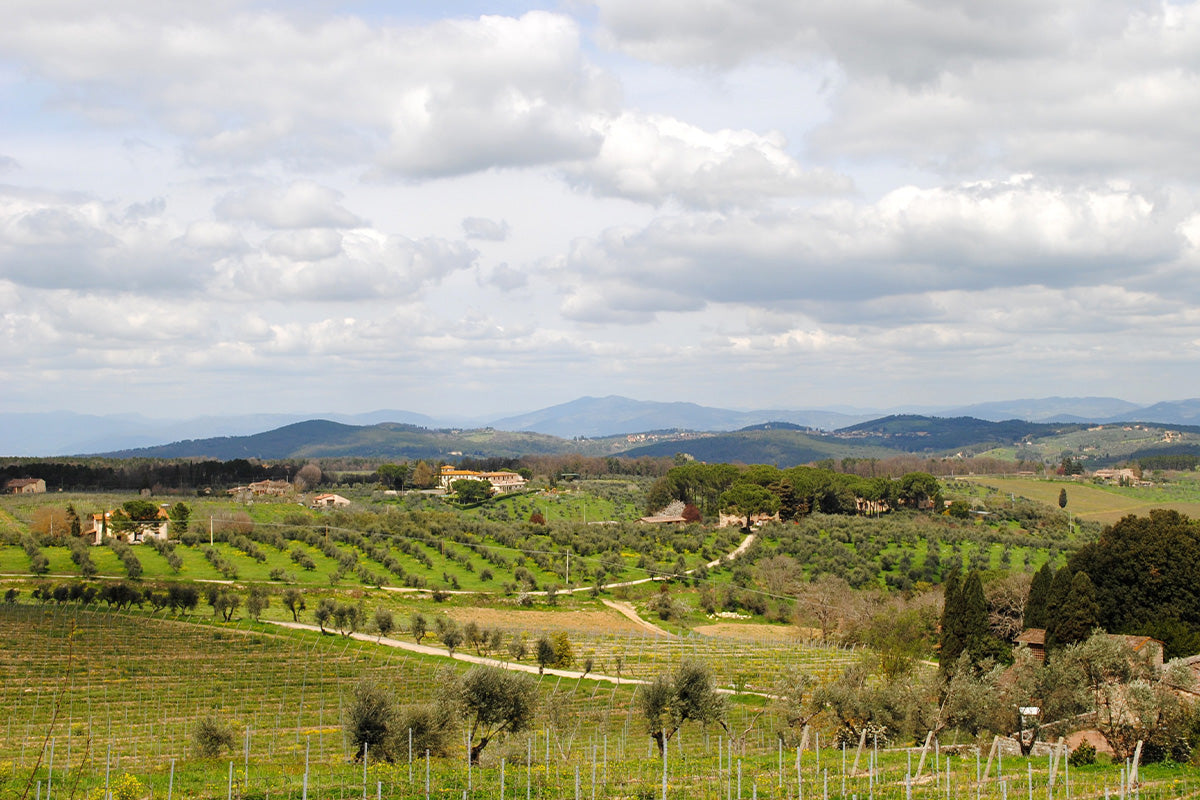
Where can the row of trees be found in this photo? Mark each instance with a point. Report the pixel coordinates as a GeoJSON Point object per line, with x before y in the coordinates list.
{"type": "Point", "coordinates": [136, 474]}
{"type": "Point", "coordinates": [487, 703]}
{"type": "Point", "coordinates": [792, 493]}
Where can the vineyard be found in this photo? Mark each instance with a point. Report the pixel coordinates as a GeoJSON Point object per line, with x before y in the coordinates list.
{"type": "Point", "coordinates": [100, 701]}
{"type": "Point", "coordinates": [112, 667]}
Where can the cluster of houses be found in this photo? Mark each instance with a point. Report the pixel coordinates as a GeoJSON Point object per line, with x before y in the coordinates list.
{"type": "Point", "coordinates": [272, 488]}
{"type": "Point", "coordinates": [501, 482]}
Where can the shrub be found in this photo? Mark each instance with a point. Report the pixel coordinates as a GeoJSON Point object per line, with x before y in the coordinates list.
{"type": "Point", "coordinates": [211, 737]}
{"type": "Point", "coordinates": [1082, 755]}
{"type": "Point", "coordinates": [430, 731]}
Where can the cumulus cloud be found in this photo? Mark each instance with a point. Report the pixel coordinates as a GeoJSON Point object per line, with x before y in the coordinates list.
{"type": "Point", "coordinates": [358, 265]}
{"type": "Point", "coordinates": [1057, 87]}
{"type": "Point", "coordinates": [506, 279]}
{"type": "Point", "coordinates": [300, 204]}
{"type": "Point", "coordinates": [652, 158]}
{"type": "Point", "coordinates": [971, 237]}
{"type": "Point", "coordinates": [445, 98]}
{"type": "Point", "coordinates": [906, 40]}
{"type": "Point", "coordinates": [486, 229]}
{"type": "Point", "coordinates": [52, 240]}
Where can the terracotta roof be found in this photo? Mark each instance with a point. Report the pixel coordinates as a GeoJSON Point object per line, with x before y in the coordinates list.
{"type": "Point", "coordinates": [1032, 636]}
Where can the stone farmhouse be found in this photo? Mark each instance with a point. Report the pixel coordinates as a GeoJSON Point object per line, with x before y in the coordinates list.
{"type": "Point", "coordinates": [1035, 640]}
{"type": "Point", "coordinates": [329, 501]}
{"type": "Point", "coordinates": [25, 486]}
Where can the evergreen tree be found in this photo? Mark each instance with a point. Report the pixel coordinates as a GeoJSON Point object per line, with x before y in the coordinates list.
{"type": "Point", "coordinates": [1078, 616]}
{"type": "Point", "coordinates": [73, 520]}
{"type": "Point", "coordinates": [952, 642]}
{"type": "Point", "coordinates": [1062, 498]}
{"type": "Point", "coordinates": [1039, 595]}
{"type": "Point", "coordinates": [973, 622]}
{"type": "Point", "coordinates": [1060, 587]}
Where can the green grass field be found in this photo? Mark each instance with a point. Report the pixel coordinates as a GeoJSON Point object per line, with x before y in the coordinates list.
{"type": "Point", "coordinates": [1100, 503]}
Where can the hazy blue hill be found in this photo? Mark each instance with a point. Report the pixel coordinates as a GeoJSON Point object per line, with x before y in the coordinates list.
{"type": "Point", "coordinates": [1048, 409]}
{"type": "Point", "coordinates": [609, 416]}
{"type": "Point", "coordinates": [781, 447]}
{"type": "Point", "coordinates": [52, 433]}
{"type": "Point", "coordinates": [328, 439]}
{"type": "Point", "coordinates": [918, 434]}
{"type": "Point", "coordinates": [1176, 412]}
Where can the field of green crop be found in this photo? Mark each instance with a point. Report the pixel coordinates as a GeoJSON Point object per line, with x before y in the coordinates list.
{"type": "Point", "coordinates": [103, 699]}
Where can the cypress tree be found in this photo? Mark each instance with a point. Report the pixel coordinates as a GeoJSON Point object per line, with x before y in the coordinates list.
{"type": "Point", "coordinates": [1079, 614]}
{"type": "Point", "coordinates": [1039, 595]}
{"type": "Point", "coordinates": [980, 642]}
{"type": "Point", "coordinates": [973, 608]}
{"type": "Point", "coordinates": [952, 641]}
{"type": "Point", "coordinates": [1060, 588]}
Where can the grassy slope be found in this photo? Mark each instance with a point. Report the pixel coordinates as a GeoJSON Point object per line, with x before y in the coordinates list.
{"type": "Point", "coordinates": [1104, 504]}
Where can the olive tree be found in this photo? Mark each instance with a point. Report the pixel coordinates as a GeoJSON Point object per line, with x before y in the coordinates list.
{"type": "Point", "coordinates": [491, 702]}
{"type": "Point", "coordinates": [384, 622]}
{"type": "Point", "coordinates": [671, 700]}
{"type": "Point", "coordinates": [370, 720]}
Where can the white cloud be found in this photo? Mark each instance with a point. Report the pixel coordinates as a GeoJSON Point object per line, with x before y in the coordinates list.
{"type": "Point", "coordinates": [1058, 87]}
{"type": "Point", "coordinates": [317, 267]}
{"type": "Point", "coordinates": [652, 158]}
{"type": "Point", "coordinates": [53, 240]}
{"type": "Point", "coordinates": [301, 204]}
{"type": "Point", "coordinates": [506, 279]}
{"type": "Point", "coordinates": [970, 237]}
{"type": "Point", "coordinates": [486, 229]}
{"type": "Point", "coordinates": [905, 40]}
{"type": "Point", "coordinates": [809, 199]}
{"type": "Point", "coordinates": [446, 98]}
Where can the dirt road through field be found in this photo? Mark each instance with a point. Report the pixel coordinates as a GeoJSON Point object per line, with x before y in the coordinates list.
{"type": "Point", "coordinates": [628, 611]}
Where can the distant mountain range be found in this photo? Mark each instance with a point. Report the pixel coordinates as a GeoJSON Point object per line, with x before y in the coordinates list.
{"type": "Point", "coordinates": [614, 415]}
{"type": "Point", "coordinates": [64, 433]}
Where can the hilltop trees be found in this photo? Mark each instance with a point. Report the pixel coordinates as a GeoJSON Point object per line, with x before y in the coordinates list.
{"type": "Point", "coordinates": [424, 475]}
{"type": "Point", "coordinates": [393, 475]}
{"type": "Point", "coordinates": [748, 500]}
{"type": "Point", "coordinates": [309, 476]}
{"type": "Point", "coordinates": [797, 491]}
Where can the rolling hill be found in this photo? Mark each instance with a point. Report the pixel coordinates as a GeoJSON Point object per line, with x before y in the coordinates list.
{"type": "Point", "coordinates": [323, 438]}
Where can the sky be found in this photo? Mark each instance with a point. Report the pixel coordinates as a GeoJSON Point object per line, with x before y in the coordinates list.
{"type": "Point", "coordinates": [466, 208]}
